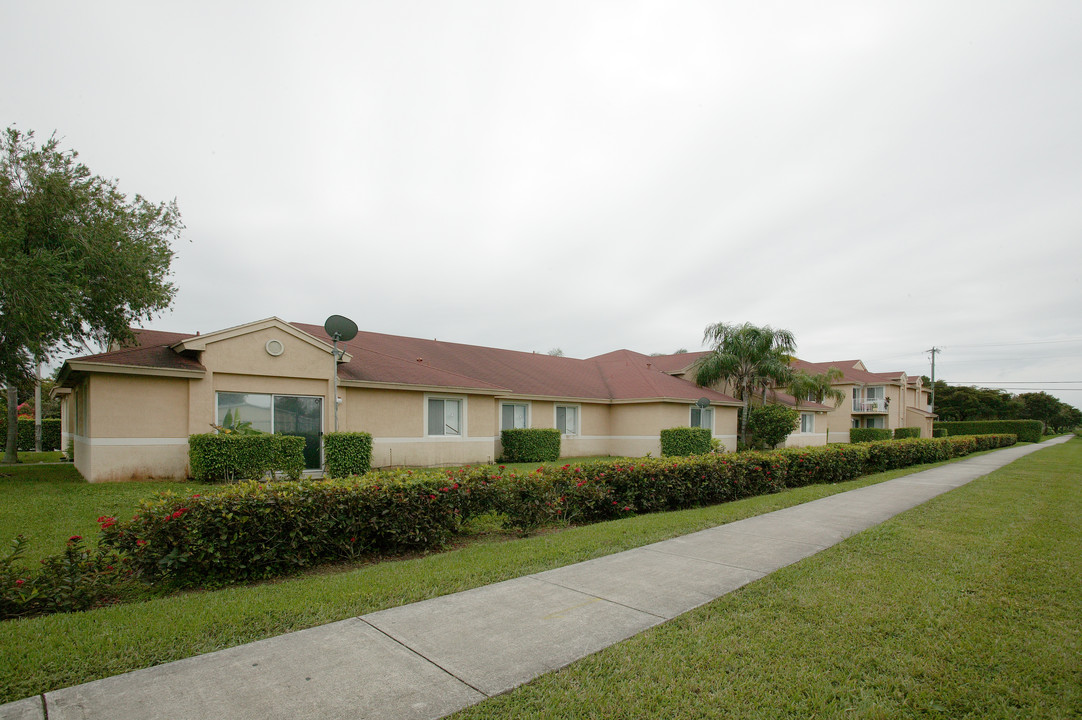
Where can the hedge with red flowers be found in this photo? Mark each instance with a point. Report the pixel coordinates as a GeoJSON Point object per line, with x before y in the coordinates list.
{"type": "Point", "coordinates": [80, 578]}
{"type": "Point", "coordinates": [257, 530]}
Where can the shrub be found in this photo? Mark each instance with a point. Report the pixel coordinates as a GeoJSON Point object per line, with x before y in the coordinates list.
{"type": "Point", "coordinates": [50, 433]}
{"type": "Point", "coordinates": [892, 454]}
{"type": "Point", "coordinates": [771, 424]}
{"type": "Point", "coordinates": [79, 578]}
{"type": "Point", "coordinates": [857, 435]}
{"type": "Point", "coordinates": [824, 464]}
{"type": "Point", "coordinates": [531, 444]}
{"type": "Point", "coordinates": [906, 432]}
{"type": "Point", "coordinates": [1025, 430]}
{"type": "Point", "coordinates": [256, 530]}
{"type": "Point", "coordinates": [683, 441]}
{"type": "Point", "coordinates": [939, 432]}
{"type": "Point", "coordinates": [227, 458]}
{"type": "Point", "coordinates": [347, 453]}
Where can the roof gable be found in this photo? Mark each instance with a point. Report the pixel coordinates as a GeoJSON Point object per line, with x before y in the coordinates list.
{"type": "Point", "coordinates": [199, 342]}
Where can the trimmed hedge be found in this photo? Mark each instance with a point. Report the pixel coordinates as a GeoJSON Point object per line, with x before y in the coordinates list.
{"type": "Point", "coordinates": [858, 435]}
{"type": "Point", "coordinates": [906, 432]}
{"type": "Point", "coordinates": [227, 458]}
{"type": "Point", "coordinates": [939, 432]}
{"type": "Point", "coordinates": [255, 530]}
{"type": "Point", "coordinates": [347, 453]}
{"type": "Point", "coordinates": [531, 445]}
{"type": "Point", "coordinates": [50, 434]}
{"type": "Point", "coordinates": [684, 441]}
{"type": "Point", "coordinates": [1026, 430]}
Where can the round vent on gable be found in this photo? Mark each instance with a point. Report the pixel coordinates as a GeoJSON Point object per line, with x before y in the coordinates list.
{"type": "Point", "coordinates": [275, 347]}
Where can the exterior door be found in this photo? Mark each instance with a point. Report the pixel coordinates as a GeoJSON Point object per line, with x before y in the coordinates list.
{"type": "Point", "coordinates": [301, 415]}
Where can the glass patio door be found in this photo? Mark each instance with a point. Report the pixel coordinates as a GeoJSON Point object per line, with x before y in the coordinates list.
{"type": "Point", "coordinates": [303, 416]}
{"type": "Point", "coordinates": [300, 415]}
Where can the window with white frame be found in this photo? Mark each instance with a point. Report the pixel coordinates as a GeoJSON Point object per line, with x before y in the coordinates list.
{"type": "Point", "coordinates": [567, 419]}
{"type": "Point", "coordinates": [446, 416]}
{"type": "Point", "coordinates": [807, 422]}
{"type": "Point", "coordinates": [702, 417]}
{"type": "Point", "coordinates": [514, 416]}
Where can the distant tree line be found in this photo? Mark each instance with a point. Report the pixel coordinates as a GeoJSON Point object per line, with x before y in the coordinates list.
{"type": "Point", "coordinates": [965, 402]}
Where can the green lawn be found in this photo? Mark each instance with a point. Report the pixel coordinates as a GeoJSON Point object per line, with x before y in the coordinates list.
{"type": "Point", "coordinates": [50, 503]}
{"type": "Point", "coordinates": [38, 457]}
{"type": "Point", "coordinates": [49, 652]}
{"type": "Point", "coordinates": [965, 607]}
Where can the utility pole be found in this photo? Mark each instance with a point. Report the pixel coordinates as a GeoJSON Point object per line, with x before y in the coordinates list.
{"type": "Point", "coordinates": [37, 404]}
{"type": "Point", "coordinates": [934, 350]}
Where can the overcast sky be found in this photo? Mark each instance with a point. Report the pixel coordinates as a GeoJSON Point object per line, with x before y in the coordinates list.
{"type": "Point", "coordinates": [878, 177]}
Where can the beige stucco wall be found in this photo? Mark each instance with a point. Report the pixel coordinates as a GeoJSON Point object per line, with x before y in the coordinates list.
{"type": "Point", "coordinates": [382, 413]}
{"type": "Point", "coordinates": [818, 436]}
{"type": "Point", "coordinates": [136, 428]}
{"type": "Point", "coordinates": [396, 421]}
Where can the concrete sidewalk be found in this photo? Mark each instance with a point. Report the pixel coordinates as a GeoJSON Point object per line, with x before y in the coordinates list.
{"type": "Point", "coordinates": [431, 658]}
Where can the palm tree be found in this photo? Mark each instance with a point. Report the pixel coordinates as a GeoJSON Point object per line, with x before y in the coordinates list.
{"type": "Point", "coordinates": [818, 388]}
{"type": "Point", "coordinates": [747, 357]}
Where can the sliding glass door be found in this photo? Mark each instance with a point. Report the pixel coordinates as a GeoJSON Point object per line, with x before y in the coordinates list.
{"type": "Point", "coordinates": [300, 415]}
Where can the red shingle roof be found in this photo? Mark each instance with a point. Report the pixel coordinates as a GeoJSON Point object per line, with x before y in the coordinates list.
{"type": "Point", "coordinates": [849, 370]}
{"type": "Point", "coordinates": [399, 360]}
{"type": "Point", "coordinates": [151, 350]}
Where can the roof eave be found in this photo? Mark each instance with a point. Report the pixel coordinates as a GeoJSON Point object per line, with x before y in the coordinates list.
{"type": "Point", "coordinates": [73, 366]}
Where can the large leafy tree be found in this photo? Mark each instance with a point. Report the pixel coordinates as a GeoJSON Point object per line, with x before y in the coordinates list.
{"type": "Point", "coordinates": [79, 261]}
{"type": "Point", "coordinates": [1041, 406]}
{"type": "Point", "coordinates": [748, 358]}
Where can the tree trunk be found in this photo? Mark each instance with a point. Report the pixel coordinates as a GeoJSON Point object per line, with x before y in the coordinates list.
{"type": "Point", "coordinates": [11, 453]}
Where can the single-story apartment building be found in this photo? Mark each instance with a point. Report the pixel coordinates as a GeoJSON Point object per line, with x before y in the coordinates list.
{"type": "Point", "coordinates": [128, 412]}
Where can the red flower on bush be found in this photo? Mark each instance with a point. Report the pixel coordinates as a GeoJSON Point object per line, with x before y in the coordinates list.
{"type": "Point", "coordinates": [75, 538]}
{"type": "Point", "coordinates": [106, 522]}
{"type": "Point", "coordinates": [20, 581]}
{"type": "Point", "coordinates": [140, 542]}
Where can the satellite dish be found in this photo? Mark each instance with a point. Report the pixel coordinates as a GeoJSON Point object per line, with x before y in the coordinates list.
{"type": "Point", "coordinates": [703, 403]}
{"type": "Point", "coordinates": [340, 328]}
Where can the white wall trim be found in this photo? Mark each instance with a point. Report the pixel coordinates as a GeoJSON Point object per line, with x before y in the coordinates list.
{"type": "Point", "coordinates": [106, 442]}
{"type": "Point", "coordinates": [433, 439]}
{"type": "Point", "coordinates": [635, 437]}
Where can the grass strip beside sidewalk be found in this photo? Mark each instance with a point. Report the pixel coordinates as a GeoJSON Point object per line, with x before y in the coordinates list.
{"type": "Point", "coordinates": [965, 607]}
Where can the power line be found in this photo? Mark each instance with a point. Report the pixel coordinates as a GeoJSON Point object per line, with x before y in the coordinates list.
{"type": "Point", "coordinates": [1015, 382]}
{"type": "Point", "coordinates": [1037, 389]}
{"type": "Point", "coordinates": [1034, 342]}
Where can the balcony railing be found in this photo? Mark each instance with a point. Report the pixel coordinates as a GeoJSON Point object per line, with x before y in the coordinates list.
{"type": "Point", "coordinates": [869, 405]}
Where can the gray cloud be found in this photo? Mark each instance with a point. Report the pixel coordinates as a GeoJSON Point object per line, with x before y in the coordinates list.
{"type": "Point", "coordinates": [877, 178]}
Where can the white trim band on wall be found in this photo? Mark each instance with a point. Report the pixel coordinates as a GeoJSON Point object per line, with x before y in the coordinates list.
{"type": "Point", "coordinates": [104, 442]}
{"type": "Point", "coordinates": [433, 439]}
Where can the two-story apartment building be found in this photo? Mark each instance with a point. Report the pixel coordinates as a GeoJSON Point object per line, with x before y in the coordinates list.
{"type": "Point", "coordinates": [886, 400]}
